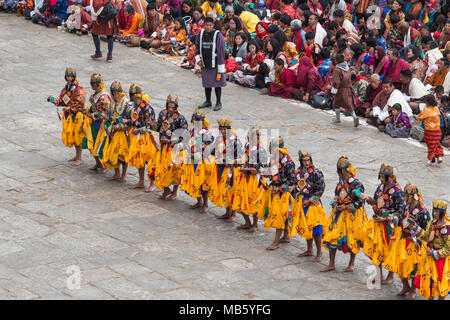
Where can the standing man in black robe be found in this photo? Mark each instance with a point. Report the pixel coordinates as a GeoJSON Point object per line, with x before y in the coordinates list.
{"type": "Point", "coordinates": [210, 48]}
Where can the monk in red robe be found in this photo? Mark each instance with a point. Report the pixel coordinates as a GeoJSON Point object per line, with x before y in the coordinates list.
{"type": "Point", "coordinates": [285, 81]}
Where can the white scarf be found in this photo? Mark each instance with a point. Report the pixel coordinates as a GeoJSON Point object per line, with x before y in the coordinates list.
{"type": "Point", "coordinates": [407, 38]}
{"type": "Point", "coordinates": [94, 14]}
{"type": "Point", "coordinates": [320, 35]}
{"type": "Point", "coordinates": [397, 97]}
{"type": "Point", "coordinates": [416, 89]}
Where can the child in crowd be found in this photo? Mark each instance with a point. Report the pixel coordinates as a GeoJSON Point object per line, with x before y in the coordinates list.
{"type": "Point", "coordinates": [432, 134]}
{"type": "Point", "coordinates": [399, 127]}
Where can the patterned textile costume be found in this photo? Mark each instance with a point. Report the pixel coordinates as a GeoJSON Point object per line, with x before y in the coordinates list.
{"type": "Point", "coordinates": [167, 169]}
{"type": "Point", "coordinates": [196, 171]}
{"type": "Point", "coordinates": [100, 107]}
{"type": "Point", "coordinates": [75, 123]}
{"type": "Point", "coordinates": [343, 228]}
{"type": "Point", "coordinates": [380, 238]}
{"type": "Point", "coordinates": [143, 146]}
{"type": "Point", "coordinates": [249, 183]}
{"type": "Point", "coordinates": [310, 187]}
{"type": "Point", "coordinates": [433, 278]}
{"type": "Point", "coordinates": [114, 148]}
{"type": "Point", "coordinates": [408, 251]}
{"type": "Point", "coordinates": [224, 172]}
{"type": "Point", "coordinates": [274, 205]}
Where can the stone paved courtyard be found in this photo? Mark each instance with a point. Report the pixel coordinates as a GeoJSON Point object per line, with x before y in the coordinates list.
{"type": "Point", "coordinates": [130, 245]}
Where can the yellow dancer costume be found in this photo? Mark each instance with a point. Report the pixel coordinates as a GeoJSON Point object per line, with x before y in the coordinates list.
{"type": "Point", "coordinates": [73, 98]}
{"type": "Point", "coordinates": [248, 183]}
{"type": "Point", "coordinates": [433, 278]}
{"type": "Point", "coordinates": [225, 172]}
{"type": "Point", "coordinates": [348, 215]}
{"type": "Point", "coordinates": [168, 161]}
{"type": "Point", "coordinates": [408, 250]}
{"type": "Point", "coordinates": [275, 203]}
{"type": "Point", "coordinates": [196, 171]}
{"type": "Point", "coordinates": [380, 236]}
{"type": "Point", "coordinates": [309, 219]}
{"type": "Point", "coordinates": [143, 147]}
{"type": "Point", "coordinates": [100, 107]}
{"type": "Point", "coordinates": [115, 143]}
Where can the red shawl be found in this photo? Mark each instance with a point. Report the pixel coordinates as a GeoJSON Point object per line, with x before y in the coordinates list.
{"type": "Point", "coordinates": [394, 69]}
{"type": "Point", "coordinates": [263, 34]}
{"type": "Point", "coordinates": [307, 75]}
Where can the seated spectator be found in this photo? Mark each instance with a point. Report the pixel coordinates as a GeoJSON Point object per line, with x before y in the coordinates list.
{"type": "Point", "coordinates": [196, 24]}
{"type": "Point", "coordinates": [432, 55]}
{"type": "Point", "coordinates": [339, 17]}
{"type": "Point", "coordinates": [262, 34]}
{"type": "Point", "coordinates": [175, 4]}
{"type": "Point", "coordinates": [312, 49]}
{"type": "Point", "coordinates": [309, 81]}
{"type": "Point", "coordinates": [149, 26]}
{"type": "Point", "coordinates": [178, 43]}
{"type": "Point", "coordinates": [187, 10]}
{"type": "Point", "coordinates": [286, 8]}
{"type": "Point", "coordinates": [237, 55]}
{"type": "Point", "coordinates": [381, 106]}
{"type": "Point", "coordinates": [255, 58]}
{"type": "Point", "coordinates": [136, 19]}
{"type": "Point", "coordinates": [399, 125]}
{"type": "Point", "coordinates": [289, 50]}
{"type": "Point", "coordinates": [438, 77]}
{"type": "Point", "coordinates": [234, 27]}
{"type": "Point", "coordinates": [359, 85]}
{"type": "Point", "coordinates": [414, 91]}
{"type": "Point", "coordinates": [416, 64]}
{"type": "Point", "coordinates": [189, 61]}
{"type": "Point", "coordinates": [249, 19]}
{"type": "Point", "coordinates": [374, 87]}
{"type": "Point", "coordinates": [378, 61]}
{"type": "Point", "coordinates": [212, 5]}
{"type": "Point", "coordinates": [396, 65]}
{"type": "Point", "coordinates": [438, 93]}
{"type": "Point", "coordinates": [320, 35]}
{"type": "Point", "coordinates": [164, 33]}
{"type": "Point", "coordinates": [161, 8]}
{"type": "Point", "coordinates": [285, 25]}
{"type": "Point", "coordinates": [275, 18]}
{"type": "Point", "coordinates": [324, 67]}
{"type": "Point", "coordinates": [285, 81]}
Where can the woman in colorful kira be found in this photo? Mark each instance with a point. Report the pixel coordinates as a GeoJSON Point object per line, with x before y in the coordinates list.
{"type": "Point", "coordinates": [307, 207]}
{"type": "Point", "coordinates": [275, 203]}
{"type": "Point", "coordinates": [171, 126]}
{"type": "Point", "coordinates": [143, 147]}
{"type": "Point", "coordinates": [115, 144]}
{"type": "Point", "coordinates": [73, 99]}
{"type": "Point", "coordinates": [249, 183]}
{"type": "Point", "coordinates": [433, 278]}
{"type": "Point", "coordinates": [97, 113]}
{"type": "Point", "coordinates": [381, 233]}
{"type": "Point", "coordinates": [347, 217]}
{"type": "Point", "coordinates": [196, 169]}
{"type": "Point", "coordinates": [408, 250]}
{"type": "Point", "coordinates": [228, 154]}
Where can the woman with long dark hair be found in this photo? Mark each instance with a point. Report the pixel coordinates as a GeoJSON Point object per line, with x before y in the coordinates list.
{"type": "Point", "coordinates": [417, 65]}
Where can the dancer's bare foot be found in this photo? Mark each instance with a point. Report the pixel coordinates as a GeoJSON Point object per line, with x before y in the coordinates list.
{"type": "Point", "coordinates": [94, 168]}
{"type": "Point", "coordinates": [150, 188]}
{"type": "Point", "coordinates": [195, 206]}
{"type": "Point", "coordinates": [137, 185]}
{"type": "Point", "coordinates": [350, 269]}
{"type": "Point", "coordinates": [327, 268]}
{"type": "Point", "coordinates": [387, 281]}
{"type": "Point", "coordinates": [285, 240]}
{"type": "Point", "coordinates": [305, 254]}
{"type": "Point", "coordinates": [101, 170]}
{"type": "Point", "coordinates": [243, 226]}
{"type": "Point", "coordinates": [204, 209]}
{"type": "Point", "coordinates": [224, 216]}
{"type": "Point", "coordinates": [411, 296]}
{"type": "Point", "coordinates": [273, 246]}
{"type": "Point", "coordinates": [403, 292]}
{"type": "Point", "coordinates": [77, 163]}
{"type": "Point", "coordinates": [318, 258]}
{"type": "Point", "coordinates": [73, 159]}
{"type": "Point", "coordinates": [253, 229]}
{"type": "Point", "coordinates": [113, 178]}
{"type": "Point", "coordinates": [164, 195]}
{"type": "Point", "coordinates": [123, 179]}
{"type": "Point", "coordinates": [231, 218]}
{"type": "Point", "coordinates": [172, 197]}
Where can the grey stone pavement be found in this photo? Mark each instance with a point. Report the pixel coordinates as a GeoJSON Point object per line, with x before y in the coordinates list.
{"type": "Point", "coordinates": [130, 245]}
